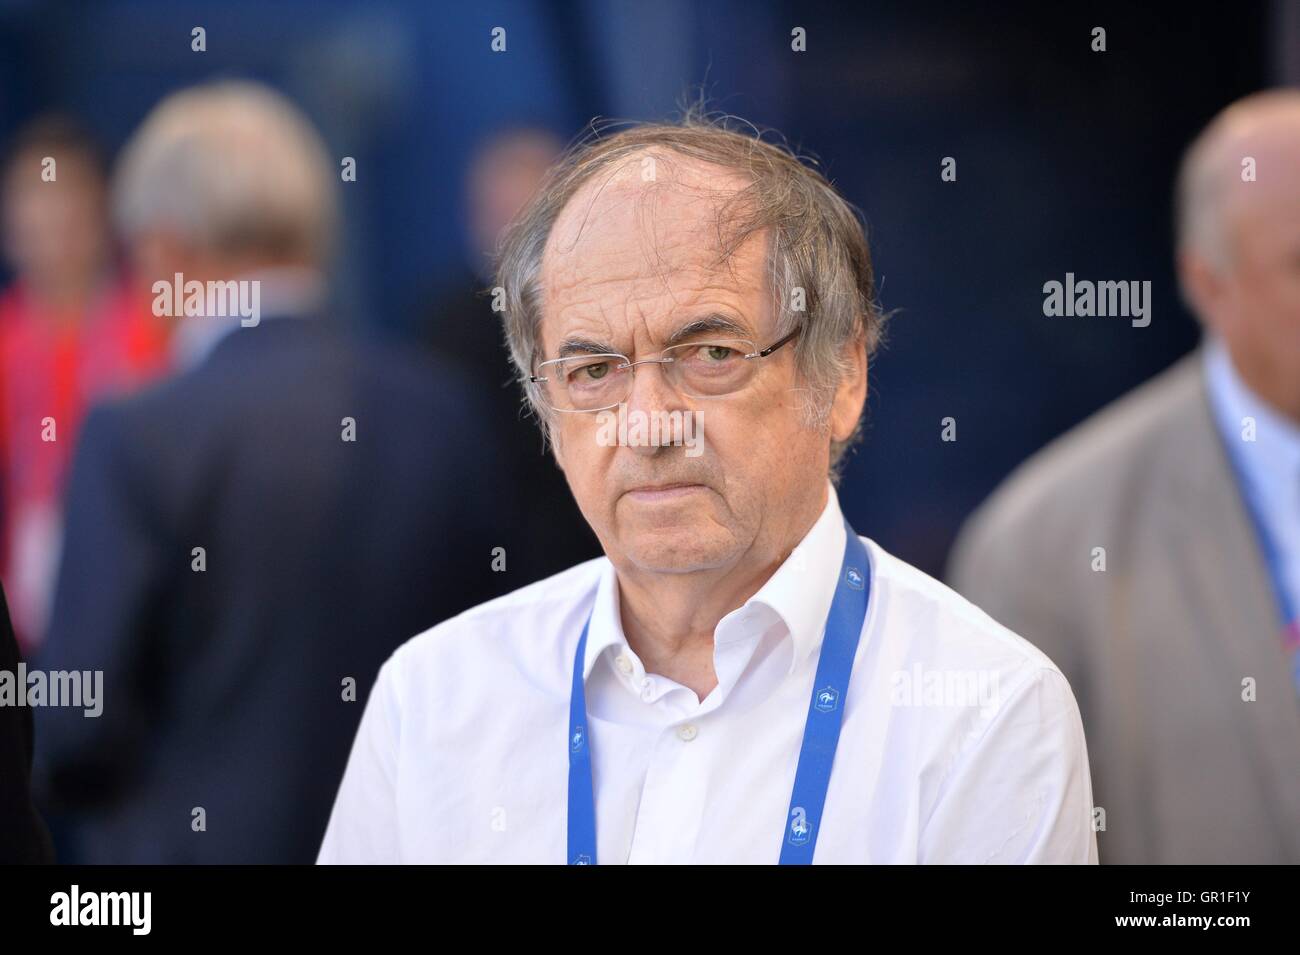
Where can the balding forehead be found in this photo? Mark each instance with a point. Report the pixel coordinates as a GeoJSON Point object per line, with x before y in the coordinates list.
{"type": "Point", "coordinates": [1260, 133]}
{"type": "Point", "coordinates": [1271, 142]}
{"type": "Point", "coordinates": [1274, 130]}
{"type": "Point", "coordinates": [661, 197]}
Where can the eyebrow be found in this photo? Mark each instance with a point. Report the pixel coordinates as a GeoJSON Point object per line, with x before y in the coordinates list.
{"type": "Point", "coordinates": [707, 325]}
{"type": "Point", "coordinates": [584, 346]}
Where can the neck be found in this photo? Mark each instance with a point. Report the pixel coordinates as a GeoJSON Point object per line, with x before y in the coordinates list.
{"type": "Point", "coordinates": [669, 619]}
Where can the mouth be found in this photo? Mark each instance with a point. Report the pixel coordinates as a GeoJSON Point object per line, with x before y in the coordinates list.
{"type": "Point", "coordinates": [662, 492]}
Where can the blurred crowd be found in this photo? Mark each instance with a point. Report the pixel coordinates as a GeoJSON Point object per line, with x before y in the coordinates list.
{"type": "Point", "coordinates": [237, 521]}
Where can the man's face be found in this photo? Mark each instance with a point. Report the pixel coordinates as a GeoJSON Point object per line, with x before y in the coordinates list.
{"type": "Point", "coordinates": [628, 264]}
{"type": "Point", "coordinates": [54, 232]}
{"type": "Point", "coordinates": [500, 184]}
{"type": "Point", "coordinates": [1254, 303]}
{"type": "Point", "coordinates": [1265, 285]}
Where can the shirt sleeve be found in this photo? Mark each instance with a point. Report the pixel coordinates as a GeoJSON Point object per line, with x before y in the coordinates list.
{"type": "Point", "coordinates": [363, 826]}
{"type": "Point", "coordinates": [1022, 793]}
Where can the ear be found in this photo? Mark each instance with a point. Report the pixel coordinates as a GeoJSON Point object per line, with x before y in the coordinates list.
{"type": "Point", "coordinates": [851, 393]}
{"type": "Point", "coordinates": [1205, 290]}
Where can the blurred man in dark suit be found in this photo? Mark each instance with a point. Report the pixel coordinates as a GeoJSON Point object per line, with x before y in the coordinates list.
{"type": "Point", "coordinates": [503, 176]}
{"type": "Point", "coordinates": [248, 541]}
{"type": "Point", "coordinates": [1154, 552]}
{"type": "Point", "coordinates": [23, 836]}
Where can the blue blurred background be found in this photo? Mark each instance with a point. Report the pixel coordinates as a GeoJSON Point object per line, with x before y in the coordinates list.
{"type": "Point", "coordinates": [1065, 161]}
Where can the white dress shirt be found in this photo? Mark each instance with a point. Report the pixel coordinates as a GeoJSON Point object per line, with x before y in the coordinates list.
{"type": "Point", "coordinates": [1269, 462]}
{"type": "Point", "coordinates": [462, 754]}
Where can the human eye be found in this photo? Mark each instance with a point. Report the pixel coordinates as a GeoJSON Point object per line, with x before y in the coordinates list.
{"type": "Point", "coordinates": [712, 353]}
{"type": "Point", "coordinates": [587, 371]}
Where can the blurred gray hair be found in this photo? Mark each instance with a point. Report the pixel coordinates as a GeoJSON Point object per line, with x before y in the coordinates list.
{"type": "Point", "coordinates": [817, 242]}
{"type": "Point", "coordinates": [232, 167]}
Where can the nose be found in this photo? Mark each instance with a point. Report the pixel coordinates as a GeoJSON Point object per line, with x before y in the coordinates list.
{"type": "Point", "coordinates": [652, 396]}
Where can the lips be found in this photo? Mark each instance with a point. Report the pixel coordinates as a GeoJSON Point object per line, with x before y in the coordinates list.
{"type": "Point", "coordinates": [654, 492]}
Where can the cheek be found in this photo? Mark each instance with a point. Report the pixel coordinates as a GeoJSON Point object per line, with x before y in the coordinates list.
{"type": "Point", "coordinates": [1264, 295]}
{"type": "Point", "coordinates": [584, 460]}
{"type": "Point", "coordinates": [1291, 289]}
{"type": "Point", "coordinates": [757, 436]}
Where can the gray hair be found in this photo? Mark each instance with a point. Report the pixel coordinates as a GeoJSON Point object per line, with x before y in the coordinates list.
{"type": "Point", "coordinates": [817, 243]}
{"type": "Point", "coordinates": [232, 167]}
{"type": "Point", "coordinates": [1209, 168]}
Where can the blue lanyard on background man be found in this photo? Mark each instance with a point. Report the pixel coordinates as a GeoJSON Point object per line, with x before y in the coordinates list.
{"type": "Point", "coordinates": [821, 732]}
{"type": "Point", "coordinates": [1272, 561]}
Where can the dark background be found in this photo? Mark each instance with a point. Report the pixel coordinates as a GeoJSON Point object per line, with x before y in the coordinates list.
{"type": "Point", "coordinates": [1065, 161]}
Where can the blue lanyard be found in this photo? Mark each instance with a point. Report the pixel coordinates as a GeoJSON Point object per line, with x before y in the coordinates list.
{"type": "Point", "coordinates": [821, 734]}
{"type": "Point", "coordinates": [1272, 563]}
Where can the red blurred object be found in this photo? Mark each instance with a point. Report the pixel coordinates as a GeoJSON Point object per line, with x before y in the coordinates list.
{"type": "Point", "coordinates": [54, 366]}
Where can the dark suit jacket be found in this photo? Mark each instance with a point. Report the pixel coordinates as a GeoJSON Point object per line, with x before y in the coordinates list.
{"type": "Point", "coordinates": [223, 688]}
{"type": "Point", "coordinates": [462, 327]}
{"type": "Point", "coordinates": [23, 837]}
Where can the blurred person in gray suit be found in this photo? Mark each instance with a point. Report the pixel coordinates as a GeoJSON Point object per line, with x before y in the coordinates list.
{"type": "Point", "coordinates": [1154, 551]}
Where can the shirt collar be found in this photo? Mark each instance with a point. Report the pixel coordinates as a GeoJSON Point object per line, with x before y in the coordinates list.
{"type": "Point", "coordinates": [1271, 463]}
{"type": "Point", "coordinates": [799, 593]}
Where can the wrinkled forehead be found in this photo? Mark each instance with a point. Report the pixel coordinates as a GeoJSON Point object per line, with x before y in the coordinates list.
{"type": "Point", "coordinates": [645, 241]}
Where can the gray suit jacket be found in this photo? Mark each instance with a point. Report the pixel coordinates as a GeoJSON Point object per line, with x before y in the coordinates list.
{"type": "Point", "coordinates": [1156, 647]}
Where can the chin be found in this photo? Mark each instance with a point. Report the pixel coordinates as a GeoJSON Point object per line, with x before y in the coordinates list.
{"type": "Point", "coordinates": [678, 550]}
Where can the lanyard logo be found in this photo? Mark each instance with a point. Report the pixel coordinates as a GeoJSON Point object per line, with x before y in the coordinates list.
{"type": "Point", "coordinates": [853, 577]}
{"type": "Point", "coordinates": [577, 740]}
{"type": "Point", "coordinates": [827, 699]}
{"type": "Point", "coordinates": [800, 830]}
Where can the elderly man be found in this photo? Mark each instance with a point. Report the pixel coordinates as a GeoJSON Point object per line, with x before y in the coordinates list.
{"type": "Point", "coordinates": [250, 540]}
{"type": "Point", "coordinates": [1154, 552]}
{"type": "Point", "coordinates": [741, 678]}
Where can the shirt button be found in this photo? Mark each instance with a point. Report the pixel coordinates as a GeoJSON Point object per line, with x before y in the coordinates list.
{"type": "Point", "coordinates": [623, 663]}
{"type": "Point", "coordinates": [687, 733]}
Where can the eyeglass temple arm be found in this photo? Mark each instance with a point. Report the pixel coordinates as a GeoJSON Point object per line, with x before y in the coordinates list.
{"type": "Point", "coordinates": [773, 347]}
